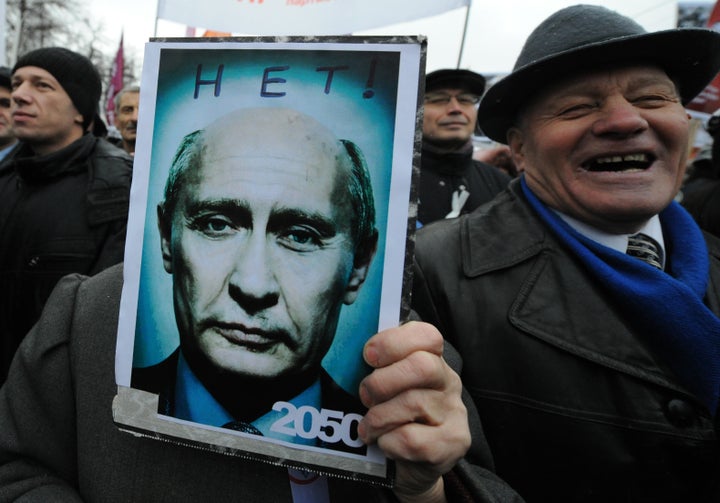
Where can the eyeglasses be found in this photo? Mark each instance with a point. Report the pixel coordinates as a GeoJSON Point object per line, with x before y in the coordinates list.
{"type": "Point", "coordinates": [465, 99]}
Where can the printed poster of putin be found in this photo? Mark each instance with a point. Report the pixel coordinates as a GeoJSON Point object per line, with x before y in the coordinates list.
{"type": "Point", "coordinates": [266, 243]}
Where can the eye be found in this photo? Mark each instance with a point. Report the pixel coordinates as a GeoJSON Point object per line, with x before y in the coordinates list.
{"type": "Point", "coordinates": [437, 99]}
{"type": "Point", "coordinates": [468, 99]}
{"type": "Point", "coordinates": [302, 239]}
{"type": "Point", "coordinates": [577, 110]}
{"type": "Point", "coordinates": [213, 226]}
{"type": "Point", "coordinates": [653, 100]}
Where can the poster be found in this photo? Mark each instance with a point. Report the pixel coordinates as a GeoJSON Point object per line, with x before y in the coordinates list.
{"type": "Point", "coordinates": [270, 212]}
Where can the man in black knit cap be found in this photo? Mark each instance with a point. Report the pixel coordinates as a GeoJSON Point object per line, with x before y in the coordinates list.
{"type": "Point", "coordinates": [63, 192]}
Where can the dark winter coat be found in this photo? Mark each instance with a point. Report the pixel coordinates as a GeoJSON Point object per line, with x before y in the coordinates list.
{"type": "Point", "coordinates": [575, 405]}
{"type": "Point", "coordinates": [60, 213]}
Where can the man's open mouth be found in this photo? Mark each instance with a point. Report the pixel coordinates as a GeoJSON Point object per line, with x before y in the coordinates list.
{"type": "Point", "coordinates": [618, 163]}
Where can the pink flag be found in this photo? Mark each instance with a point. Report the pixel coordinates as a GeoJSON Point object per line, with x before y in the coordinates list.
{"type": "Point", "coordinates": [709, 99]}
{"type": "Point", "coordinates": [115, 85]}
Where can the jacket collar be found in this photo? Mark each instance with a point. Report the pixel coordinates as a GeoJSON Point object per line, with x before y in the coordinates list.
{"type": "Point", "coordinates": [484, 241]}
{"type": "Point", "coordinates": [562, 319]}
{"type": "Point", "coordinates": [39, 169]}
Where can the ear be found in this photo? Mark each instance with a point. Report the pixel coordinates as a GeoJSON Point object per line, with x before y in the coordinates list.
{"type": "Point", "coordinates": [164, 226]}
{"type": "Point", "coordinates": [364, 255]}
{"type": "Point", "coordinates": [516, 142]}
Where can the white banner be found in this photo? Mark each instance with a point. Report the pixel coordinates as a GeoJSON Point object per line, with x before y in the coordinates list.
{"type": "Point", "coordinates": [300, 17]}
{"type": "Point", "coordinates": [3, 49]}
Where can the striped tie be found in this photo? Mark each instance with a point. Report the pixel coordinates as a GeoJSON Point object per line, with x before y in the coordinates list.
{"type": "Point", "coordinates": [645, 248]}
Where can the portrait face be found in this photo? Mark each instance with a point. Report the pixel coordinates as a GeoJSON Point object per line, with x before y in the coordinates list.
{"type": "Point", "coordinates": [260, 246]}
{"type": "Point", "coordinates": [608, 147]}
{"type": "Point", "coordinates": [43, 114]}
{"type": "Point", "coordinates": [126, 116]}
{"type": "Point", "coordinates": [450, 115]}
{"type": "Point", "coordinates": [6, 134]}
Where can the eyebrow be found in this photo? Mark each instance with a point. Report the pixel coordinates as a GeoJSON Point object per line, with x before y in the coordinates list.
{"type": "Point", "coordinates": [283, 217]}
{"type": "Point", "coordinates": [280, 218]}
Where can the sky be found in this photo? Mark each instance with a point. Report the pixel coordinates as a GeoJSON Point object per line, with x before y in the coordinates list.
{"type": "Point", "coordinates": [495, 31]}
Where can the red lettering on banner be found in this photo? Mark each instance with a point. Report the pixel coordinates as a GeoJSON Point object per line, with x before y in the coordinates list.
{"type": "Point", "coordinates": [303, 3]}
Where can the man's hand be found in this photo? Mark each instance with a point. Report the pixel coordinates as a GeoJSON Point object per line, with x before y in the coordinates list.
{"type": "Point", "coordinates": [415, 414]}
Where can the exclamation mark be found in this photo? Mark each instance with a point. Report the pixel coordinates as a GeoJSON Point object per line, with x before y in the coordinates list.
{"type": "Point", "coordinates": [369, 93]}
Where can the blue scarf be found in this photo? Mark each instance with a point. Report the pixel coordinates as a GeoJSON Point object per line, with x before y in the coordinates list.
{"type": "Point", "coordinates": [668, 305]}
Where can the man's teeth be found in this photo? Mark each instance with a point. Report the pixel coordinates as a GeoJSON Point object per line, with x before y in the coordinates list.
{"type": "Point", "coordinates": [628, 162]}
{"type": "Point", "coordinates": [622, 158]}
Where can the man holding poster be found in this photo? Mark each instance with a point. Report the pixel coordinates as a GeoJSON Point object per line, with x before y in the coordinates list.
{"type": "Point", "coordinates": [268, 228]}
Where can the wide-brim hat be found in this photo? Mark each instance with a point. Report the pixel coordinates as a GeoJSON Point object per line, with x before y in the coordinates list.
{"type": "Point", "coordinates": [459, 79]}
{"type": "Point", "coordinates": [583, 37]}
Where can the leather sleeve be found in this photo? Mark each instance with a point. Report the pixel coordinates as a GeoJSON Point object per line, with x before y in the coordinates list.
{"type": "Point", "coordinates": [473, 478]}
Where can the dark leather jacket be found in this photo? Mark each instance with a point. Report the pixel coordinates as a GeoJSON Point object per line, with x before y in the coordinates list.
{"type": "Point", "coordinates": [575, 405]}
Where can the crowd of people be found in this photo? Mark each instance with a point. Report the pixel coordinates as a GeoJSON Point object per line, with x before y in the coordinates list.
{"type": "Point", "coordinates": [565, 335]}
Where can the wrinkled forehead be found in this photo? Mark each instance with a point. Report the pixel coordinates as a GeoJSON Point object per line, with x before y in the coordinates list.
{"type": "Point", "coordinates": [271, 133]}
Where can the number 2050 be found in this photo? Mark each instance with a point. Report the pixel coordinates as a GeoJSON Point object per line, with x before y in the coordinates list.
{"type": "Point", "coordinates": [307, 422]}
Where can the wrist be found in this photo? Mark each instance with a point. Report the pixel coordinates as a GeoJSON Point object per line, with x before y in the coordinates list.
{"type": "Point", "coordinates": [435, 494]}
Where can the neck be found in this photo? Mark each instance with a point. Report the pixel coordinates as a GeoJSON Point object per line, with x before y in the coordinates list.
{"type": "Point", "coordinates": [129, 147]}
{"type": "Point", "coordinates": [7, 142]}
{"type": "Point", "coordinates": [245, 397]}
{"type": "Point", "coordinates": [448, 146]}
{"type": "Point", "coordinates": [46, 148]}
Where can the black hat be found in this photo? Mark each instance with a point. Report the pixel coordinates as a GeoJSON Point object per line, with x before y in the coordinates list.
{"type": "Point", "coordinates": [583, 37]}
{"type": "Point", "coordinates": [75, 73]}
{"type": "Point", "coordinates": [5, 77]}
{"type": "Point", "coordinates": [460, 79]}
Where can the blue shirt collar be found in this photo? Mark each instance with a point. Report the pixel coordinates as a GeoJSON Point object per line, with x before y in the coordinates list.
{"type": "Point", "coordinates": [193, 402]}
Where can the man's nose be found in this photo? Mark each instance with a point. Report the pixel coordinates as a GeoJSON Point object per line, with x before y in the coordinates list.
{"type": "Point", "coordinates": [19, 94]}
{"type": "Point", "coordinates": [253, 283]}
{"type": "Point", "coordinates": [454, 105]}
{"type": "Point", "coordinates": [620, 117]}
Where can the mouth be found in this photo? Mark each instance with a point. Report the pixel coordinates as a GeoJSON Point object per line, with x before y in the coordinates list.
{"type": "Point", "coordinates": [620, 163]}
{"type": "Point", "coordinates": [252, 339]}
{"type": "Point", "coordinates": [20, 115]}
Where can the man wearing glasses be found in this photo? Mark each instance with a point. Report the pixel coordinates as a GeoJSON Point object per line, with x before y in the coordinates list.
{"type": "Point", "coordinates": [451, 182]}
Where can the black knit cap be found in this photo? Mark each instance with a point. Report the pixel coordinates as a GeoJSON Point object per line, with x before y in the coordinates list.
{"type": "Point", "coordinates": [585, 37]}
{"type": "Point", "coordinates": [5, 77]}
{"type": "Point", "coordinates": [75, 73]}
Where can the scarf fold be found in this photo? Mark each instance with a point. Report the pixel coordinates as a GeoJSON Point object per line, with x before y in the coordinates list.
{"type": "Point", "coordinates": [665, 306]}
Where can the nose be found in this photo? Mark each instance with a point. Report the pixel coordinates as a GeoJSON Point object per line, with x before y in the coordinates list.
{"type": "Point", "coordinates": [21, 92]}
{"type": "Point", "coordinates": [621, 118]}
{"type": "Point", "coordinates": [454, 105]}
{"type": "Point", "coordinates": [134, 116]}
{"type": "Point", "coordinates": [252, 283]}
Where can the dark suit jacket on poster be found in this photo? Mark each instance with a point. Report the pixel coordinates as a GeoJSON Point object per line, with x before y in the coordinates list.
{"type": "Point", "coordinates": [160, 379]}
